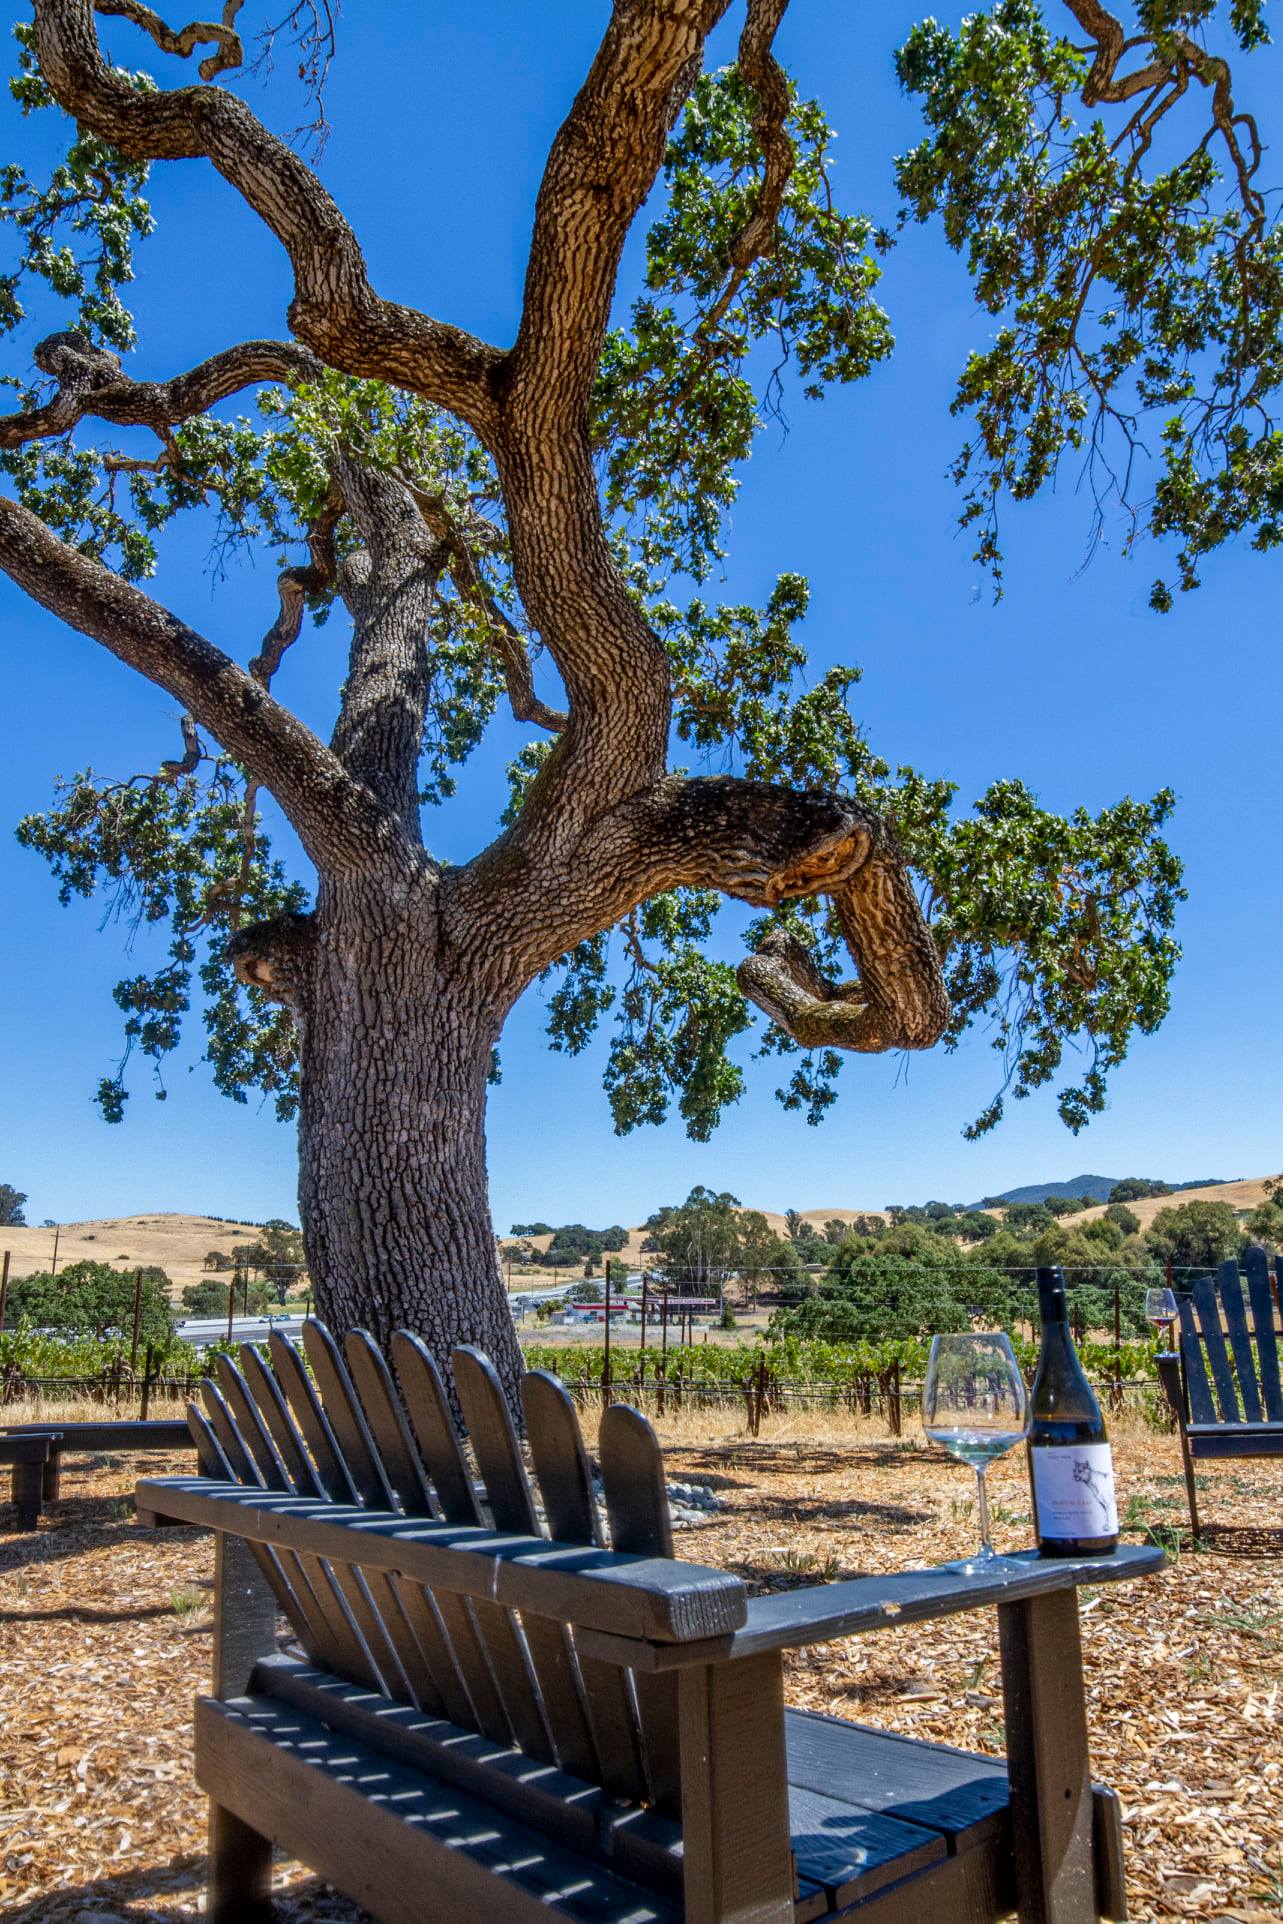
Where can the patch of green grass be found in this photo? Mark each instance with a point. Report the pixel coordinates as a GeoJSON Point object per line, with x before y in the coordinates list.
{"type": "Point", "coordinates": [801, 1566]}
{"type": "Point", "coordinates": [187, 1604]}
{"type": "Point", "coordinates": [1264, 1625]}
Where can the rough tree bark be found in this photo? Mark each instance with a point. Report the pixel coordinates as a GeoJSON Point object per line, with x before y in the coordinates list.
{"type": "Point", "coordinates": [401, 979]}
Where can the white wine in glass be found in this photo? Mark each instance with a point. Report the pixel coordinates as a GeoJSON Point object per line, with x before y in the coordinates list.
{"type": "Point", "coordinates": [975, 1405]}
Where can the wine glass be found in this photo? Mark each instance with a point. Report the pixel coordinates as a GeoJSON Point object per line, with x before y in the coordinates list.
{"type": "Point", "coordinates": [1160, 1308]}
{"type": "Point", "coordinates": [974, 1402]}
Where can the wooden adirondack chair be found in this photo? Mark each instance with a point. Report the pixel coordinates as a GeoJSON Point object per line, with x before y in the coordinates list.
{"type": "Point", "coordinates": [490, 1721]}
{"type": "Point", "coordinates": [1246, 1417]}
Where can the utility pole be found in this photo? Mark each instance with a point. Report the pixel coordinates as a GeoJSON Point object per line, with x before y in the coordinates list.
{"type": "Point", "coordinates": [53, 1270]}
{"type": "Point", "coordinates": [4, 1287]}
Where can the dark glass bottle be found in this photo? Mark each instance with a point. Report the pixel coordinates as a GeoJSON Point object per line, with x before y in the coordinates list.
{"type": "Point", "coordinates": [1070, 1465]}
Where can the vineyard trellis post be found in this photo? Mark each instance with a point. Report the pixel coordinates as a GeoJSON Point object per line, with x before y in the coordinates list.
{"type": "Point", "coordinates": [138, 1317]}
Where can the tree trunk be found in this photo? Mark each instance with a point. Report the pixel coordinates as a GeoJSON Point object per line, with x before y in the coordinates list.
{"type": "Point", "coordinates": [396, 1035]}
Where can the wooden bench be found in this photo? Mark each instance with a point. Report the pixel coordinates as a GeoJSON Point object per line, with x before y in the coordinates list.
{"type": "Point", "coordinates": [1246, 1416]}
{"type": "Point", "coordinates": [495, 1716]}
{"type": "Point", "coordinates": [28, 1452]}
{"type": "Point", "coordinates": [153, 1433]}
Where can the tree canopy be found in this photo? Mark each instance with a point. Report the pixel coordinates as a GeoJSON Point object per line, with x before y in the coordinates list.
{"type": "Point", "coordinates": [541, 523]}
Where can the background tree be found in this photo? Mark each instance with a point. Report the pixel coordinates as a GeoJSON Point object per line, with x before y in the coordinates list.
{"type": "Point", "coordinates": [1195, 1235]}
{"type": "Point", "coordinates": [209, 1298]}
{"type": "Point", "coordinates": [11, 1201]}
{"type": "Point", "coordinates": [95, 1300]}
{"type": "Point", "coordinates": [465, 505]}
{"type": "Point", "coordinates": [278, 1252]}
{"type": "Point", "coordinates": [1136, 1189]}
{"type": "Point", "coordinates": [217, 1259]}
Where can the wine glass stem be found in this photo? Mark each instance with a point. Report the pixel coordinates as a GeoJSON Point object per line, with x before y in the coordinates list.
{"type": "Point", "coordinates": [982, 1504]}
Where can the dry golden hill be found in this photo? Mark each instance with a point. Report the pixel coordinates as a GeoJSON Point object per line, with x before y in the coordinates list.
{"type": "Point", "coordinates": [177, 1244]}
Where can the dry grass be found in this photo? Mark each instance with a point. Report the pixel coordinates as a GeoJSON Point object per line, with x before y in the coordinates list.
{"type": "Point", "coordinates": [104, 1639]}
{"type": "Point", "coordinates": [178, 1244]}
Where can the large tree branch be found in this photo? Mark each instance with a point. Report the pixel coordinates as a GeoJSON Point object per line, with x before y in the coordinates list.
{"type": "Point", "coordinates": [335, 311]}
{"type": "Point", "coordinates": [602, 165]}
{"type": "Point", "coordinates": [339, 821]}
{"type": "Point", "coordinates": [388, 586]}
{"type": "Point", "coordinates": [92, 383]}
{"type": "Point", "coordinates": [764, 844]}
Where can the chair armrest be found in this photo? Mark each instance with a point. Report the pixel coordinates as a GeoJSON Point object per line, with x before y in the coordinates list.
{"type": "Point", "coordinates": [1169, 1375]}
{"type": "Point", "coordinates": [827, 1611]}
{"type": "Point", "coordinates": [632, 1595]}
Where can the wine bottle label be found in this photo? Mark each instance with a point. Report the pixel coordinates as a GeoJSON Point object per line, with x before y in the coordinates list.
{"type": "Point", "coordinates": [1074, 1491]}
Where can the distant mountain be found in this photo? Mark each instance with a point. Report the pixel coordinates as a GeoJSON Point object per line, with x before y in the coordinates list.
{"type": "Point", "coordinates": [1077, 1186]}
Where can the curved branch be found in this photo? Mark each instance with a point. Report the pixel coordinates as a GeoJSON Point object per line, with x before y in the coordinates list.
{"type": "Point", "coordinates": [198, 33]}
{"type": "Point", "coordinates": [508, 642]}
{"type": "Point", "coordinates": [334, 311]}
{"type": "Point", "coordinates": [339, 821]}
{"type": "Point", "coordinates": [763, 844]}
{"type": "Point", "coordinates": [91, 382]}
{"type": "Point", "coordinates": [762, 71]}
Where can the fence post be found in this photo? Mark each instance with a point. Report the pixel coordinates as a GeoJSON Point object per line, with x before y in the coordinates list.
{"type": "Point", "coordinates": [605, 1366]}
{"type": "Point", "coordinates": [148, 1365]}
{"type": "Point", "coordinates": [138, 1317]}
{"type": "Point", "coordinates": [4, 1287]}
{"type": "Point", "coordinates": [893, 1401]}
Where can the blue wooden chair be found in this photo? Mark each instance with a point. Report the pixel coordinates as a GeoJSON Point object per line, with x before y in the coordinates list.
{"type": "Point", "coordinates": [1224, 1386]}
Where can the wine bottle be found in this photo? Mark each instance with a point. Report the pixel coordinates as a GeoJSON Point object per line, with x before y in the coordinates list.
{"type": "Point", "coordinates": [1070, 1464]}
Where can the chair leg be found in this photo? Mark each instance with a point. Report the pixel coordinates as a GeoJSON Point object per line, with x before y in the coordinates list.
{"type": "Point", "coordinates": [240, 1871]}
{"type": "Point", "coordinates": [1190, 1490]}
{"type": "Point", "coordinates": [27, 1479]}
{"type": "Point", "coordinates": [1047, 1759]}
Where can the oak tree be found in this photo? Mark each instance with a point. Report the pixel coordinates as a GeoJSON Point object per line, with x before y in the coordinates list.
{"type": "Point", "coordinates": [536, 521]}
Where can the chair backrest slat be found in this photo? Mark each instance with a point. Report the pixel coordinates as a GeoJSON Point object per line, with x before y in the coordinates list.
{"type": "Point", "coordinates": [372, 1381]}
{"type": "Point", "coordinates": [471, 1633]}
{"type": "Point", "coordinates": [1257, 1264]}
{"type": "Point", "coordinates": [347, 1419]}
{"type": "Point", "coordinates": [633, 1481]}
{"type": "Point", "coordinates": [305, 1407]}
{"type": "Point", "coordinates": [433, 1424]}
{"type": "Point", "coordinates": [1201, 1407]}
{"type": "Point", "coordinates": [284, 1575]}
{"type": "Point", "coordinates": [559, 1693]}
{"type": "Point", "coordinates": [251, 1428]}
{"type": "Point", "coordinates": [564, 1477]}
{"type": "Point", "coordinates": [230, 1439]}
{"type": "Point", "coordinates": [322, 1592]}
{"type": "Point", "coordinates": [1230, 1285]}
{"type": "Point", "coordinates": [266, 1392]}
{"type": "Point", "coordinates": [210, 1453]}
{"type": "Point", "coordinates": [1207, 1303]}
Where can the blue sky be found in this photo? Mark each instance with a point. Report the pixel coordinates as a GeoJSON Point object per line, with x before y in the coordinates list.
{"type": "Point", "coordinates": [440, 130]}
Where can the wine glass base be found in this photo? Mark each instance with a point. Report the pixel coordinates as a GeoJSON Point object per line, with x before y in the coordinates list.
{"type": "Point", "coordinates": [988, 1563]}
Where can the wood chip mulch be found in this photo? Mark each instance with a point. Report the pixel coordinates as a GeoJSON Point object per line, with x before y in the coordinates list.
{"type": "Point", "coordinates": [104, 1641]}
